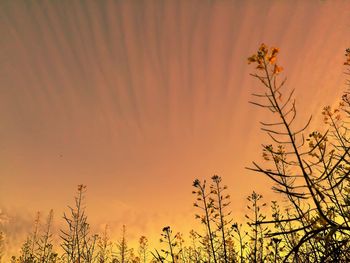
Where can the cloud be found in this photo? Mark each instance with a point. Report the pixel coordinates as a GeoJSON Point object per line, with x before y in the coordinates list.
{"type": "Point", "coordinates": [15, 224]}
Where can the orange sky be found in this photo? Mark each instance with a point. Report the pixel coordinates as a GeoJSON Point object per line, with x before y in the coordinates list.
{"type": "Point", "coordinates": [136, 99]}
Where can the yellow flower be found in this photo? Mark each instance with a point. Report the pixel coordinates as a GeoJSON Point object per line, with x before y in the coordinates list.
{"type": "Point", "coordinates": [252, 59]}
{"type": "Point", "coordinates": [260, 66]}
{"type": "Point", "coordinates": [274, 51]}
{"type": "Point", "coordinates": [347, 55]}
{"type": "Point", "coordinates": [277, 69]}
{"type": "Point", "coordinates": [263, 49]}
{"type": "Point", "coordinates": [272, 59]}
{"type": "Point", "coordinates": [265, 56]}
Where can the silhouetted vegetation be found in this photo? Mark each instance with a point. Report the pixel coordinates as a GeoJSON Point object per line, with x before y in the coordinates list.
{"type": "Point", "coordinates": [309, 223]}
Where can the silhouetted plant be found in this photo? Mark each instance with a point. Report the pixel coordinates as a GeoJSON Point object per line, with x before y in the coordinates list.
{"type": "Point", "coordinates": [221, 201]}
{"type": "Point", "coordinates": [157, 257]}
{"type": "Point", "coordinates": [45, 252]}
{"type": "Point", "coordinates": [26, 252]}
{"type": "Point", "coordinates": [104, 247]}
{"type": "Point", "coordinates": [170, 242]}
{"type": "Point", "coordinates": [258, 232]}
{"type": "Point", "coordinates": [29, 247]}
{"type": "Point", "coordinates": [205, 202]}
{"type": "Point", "coordinates": [195, 250]}
{"type": "Point", "coordinates": [311, 176]}
{"type": "Point", "coordinates": [217, 241]}
{"type": "Point", "coordinates": [237, 228]}
{"type": "Point", "coordinates": [122, 248]}
{"type": "Point", "coordinates": [133, 258]}
{"type": "Point", "coordinates": [143, 249]}
{"type": "Point", "coordinates": [78, 244]}
{"type": "Point", "coordinates": [2, 245]}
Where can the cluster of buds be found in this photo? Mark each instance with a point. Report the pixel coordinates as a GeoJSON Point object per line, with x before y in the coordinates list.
{"type": "Point", "coordinates": [265, 57]}
{"type": "Point", "coordinates": [331, 115]}
{"type": "Point", "coordinates": [267, 152]}
{"type": "Point", "coordinates": [347, 57]}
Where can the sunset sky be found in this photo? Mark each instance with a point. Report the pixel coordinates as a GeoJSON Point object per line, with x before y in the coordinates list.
{"type": "Point", "coordinates": [136, 99]}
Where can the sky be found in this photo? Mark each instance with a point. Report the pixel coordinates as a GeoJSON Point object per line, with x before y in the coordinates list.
{"type": "Point", "coordinates": [136, 99]}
